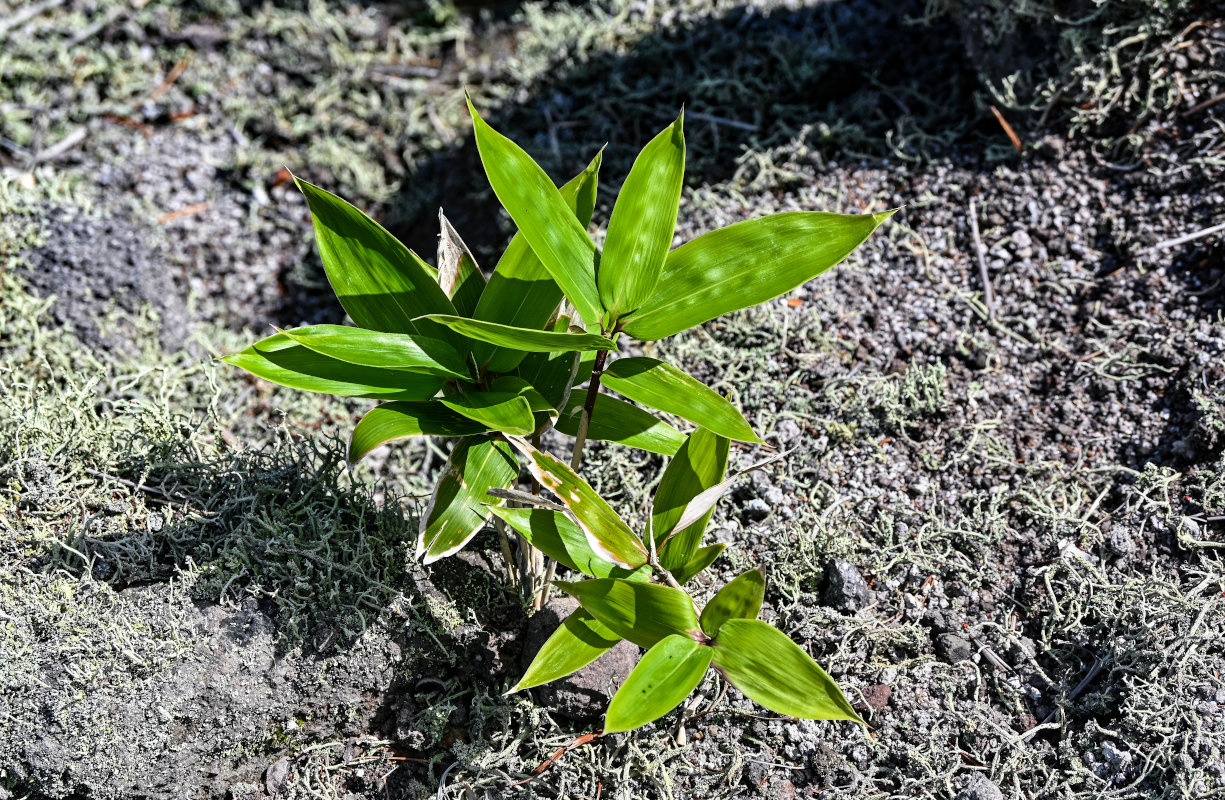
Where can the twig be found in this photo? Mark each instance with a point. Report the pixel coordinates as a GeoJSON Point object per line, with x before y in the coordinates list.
{"type": "Point", "coordinates": [1072, 695]}
{"type": "Point", "coordinates": [1012, 135]}
{"type": "Point", "coordinates": [988, 293]}
{"type": "Point", "coordinates": [61, 147]}
{"type": "Point", "coordinates": [1198, 107]}
{"type": "Point", "coordinates": [1187, 237]}
{"type": "Point", "coordinates": [186, 211]}
{"type": "Point", "coordinates": [731, 123]}
{"type": "Point", "coordinates": [175, 72]}
{"type": "Point", "coordinates": [524, 497]}
{"type": "Point", "coordinates": [27, 13]}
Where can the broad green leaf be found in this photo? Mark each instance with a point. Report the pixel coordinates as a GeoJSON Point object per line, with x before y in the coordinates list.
{"type": "Point", "coordinates": [282, 360]}
{"type": "Point", "coordinates": [521, 293]}
{"type": "Point", "coordinates": [540, 213]}
{"type": "Point", "coordinates": [700, 506]}
{"type": "Point", "coordinates": [457, 509]}
{"type": "Point", "coordinates": [400, 420]}
{"type": "Point", "coordinates": [556, 374]}
{"type": "Point", "coordinates": [615, 420]}
{"type": "Point", "coordinates": [578, 641]}
{"type": "Point", "coordinates": [555, 535]}
{"type": "Point", "coordinates": [508, 412]}
{"type": "Point", "coordinates": [703, 558]}
{"type": "Point", "coordinates": [663, 678]}
{"type": "Point", "coordinates": [774, 672]}
{"type": "Point", "coordinates": [746, 264]}
{"type": "Point", "coordinates": [643, 220]}
{"type": "Point", "coordinates": [699, 464]}
{"type": "Point", "coordinates": [664, 387]}
{"type": "Point", "coordinates": [525, 339]}
{"type": "Point", "coordinates": [406, 351]}
{"type": "Point", "coordinates": [381, 283]}
{"type": "Point", "coordinates": [513, 384]}
{"type": "Point", "coordinates": [739, 599]}
{"type": "Point", "coordinates": [607, 534]}
{"type": "Point", "coordinates": [458, 275]}
{"type": "Point", "coordinates": [644, 613]}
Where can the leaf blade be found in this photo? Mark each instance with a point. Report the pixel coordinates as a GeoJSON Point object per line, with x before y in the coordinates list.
{"type": "Point", "coordinates": [722, 271]}
{"type": "Point", "coordinates": [665, 676]}
{"type": "Point", "coordinates": [614, 420]}
{"type": "Point", "coordinates": [458, 275]}
{"type": "Point", "coordinates": [540, 213]}
{"type": "Point", "coordinates": [456, 511]}
{"type": "Point", "coordinates": [644, 613]}
{"type": "Point", "coordinates": [700, 463]}
{"type": "Point", "coordinates": [741, 598]}
{"type": "Point", "coordinates": [381, 283]}
{"type": "Point", "coordinates": [400, 420]}
{"type": "Point", "coordinates": [407, 351]}
{"type": "Point", "coordinates": [578, 641]}
{"type": "Point", "coordinates": [283, 361]}
{"type": "Point", "coordinates": [662, 386]}
{"type": "Point", "coordinates": [774, 672]}
{"type": "Point", "coordinates": [556, 535]}
{"type": "Point", "coordinates": [527, 340]}
{"type": "Point", "coordinates": [500, 411]}
{"type": "Point", "coordinates": [642, 223]}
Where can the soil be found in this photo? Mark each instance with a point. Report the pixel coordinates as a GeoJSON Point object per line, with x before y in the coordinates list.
{"type": "Point", "coordinates": [999, 529]}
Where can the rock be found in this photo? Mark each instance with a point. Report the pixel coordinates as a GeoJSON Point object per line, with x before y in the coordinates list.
{"type": "Point", "coordinates": [980, 787]}
{"type": "Point", "coordinates": [757, 509]}
{"type": "Point", "coordinates": [584, 695]}
{"type": "Point", "coordinates": [953, 648]}
{"type": "Point", "coordinates": [877, 696]}
{"type": "Point", "coordinates": [274, 777]}
{"type": "Point", "coordinates": [845, 588]}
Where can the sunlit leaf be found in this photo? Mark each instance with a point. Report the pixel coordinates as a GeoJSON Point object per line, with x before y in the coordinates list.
{"type": "Point", "coordinates": [578, 641]}
{"type": "Point", "coordinates": [615, 420]}
{"type": "Point", "coordinates": [644, 613]}
{"type": "Point", "coordinates": [521, 293]}
{"type": "Point", "coordinates": [643, 220]}
{"type": "Point", "coordinates": [525, 339]}
{"type": "Point", "coordinates": [407, 351]}
{"type": "Point", "coordinates": [280, 359]}
{"type": "Point", "coordinates": [700, 506]}
{"type": "Point", "coordinates": [540, 213]}
{"type": "Point", "coordinates": [381, 283]}
{"type": "Point", "coordinates": [508, 412]}
{"type": "Point", "coordinates": [663, 678]}
{"type": "Point", "coordinates": [745, 264]}
{"type": "Point", "coordinates": [661, 386]}
{"type": "Point", "coordinates": [556, 535]}
{"type": "Point", "coordinates": [607, 534]}
{"type": "Point", "coordinates": [773, 671]}
{"type": "Point", "coordinates": [699, 464]}
{"type": "Point", "coordinates": [400, 420]}
{"type": "Point", "coordinates": [457, 510]}
{"type": "Point", "coordinates": [703, 558]}
{"type": "Point", "coordinates": [739, 599]}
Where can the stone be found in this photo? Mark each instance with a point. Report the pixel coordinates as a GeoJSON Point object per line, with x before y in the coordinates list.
{"type": "Point", "coordinates": [584, 695]}
{"type": "Point", "coordinates": [845, 589]}
{"type": "Point", "coordinates": [980, 787]}
{"type": "Point", "coordinates": [953, 648]}
{"type": "Point", "coordinates": [877, 696]}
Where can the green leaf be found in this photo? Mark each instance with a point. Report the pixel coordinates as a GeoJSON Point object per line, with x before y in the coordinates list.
{"type": "Point", "coordinates": [457, 509]}
{"type": "Point", "coordinates": [664, 387]}
{"type": "Point", "coordinates": [644, 613]}
{"type": "Point", "coordinates": [555, 374]}
{"type": "Point", "coordinates": [525, 339]}
{"type": "Point", "coordinates": [746, 264]}
{"type": "Point", "coordinates": [554, 534]}
{"type": "Point", "coordinates": [643, 220]}
{"type": "Point", "coordinates": [607, 534]}
{"type": "Point", "coordinates": [699, 464]}
{"type": "Point", "coordinates": [739, 599]}
{"type": "Point", "coordinates": [578, 641]}
{"type": "Point", "coordinates": [703, 558]}
{"type": "Point", "coordinates": [700, 506]}
{"type": "Point", "coordinates": [663, 678]}
{"type": "Point", "coordinates": [521, 293]}
{"type": "Point", "coordinates": [542, 216]}
{"type": "Point", "coordinates": [282, 360]}
{"type": "Point", "coordinates": [458, 275]}
{"type": "Point", "coordinates": [407, 351]}
{"type": "Point", "coordinates": [382, 284]}
{"type": "Point", "coordinates": [615, 420]}
{"type": "Point", "coordinates": [774, 672]}
{"type": "Point", "coordinates": [508, 412]}
{"type": "Point", "coordinates": [400, 420]}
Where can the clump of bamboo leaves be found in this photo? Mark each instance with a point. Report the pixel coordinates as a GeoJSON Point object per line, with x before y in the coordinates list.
{"type": "Point", "coordinates": [491, 363]}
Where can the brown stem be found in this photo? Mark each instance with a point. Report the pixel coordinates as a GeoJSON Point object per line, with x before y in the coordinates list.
{"type": "Point", "coordinates": [584, 423]}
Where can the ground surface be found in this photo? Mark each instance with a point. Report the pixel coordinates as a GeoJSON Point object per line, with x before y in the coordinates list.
{"type": "Point", "coordinates": [1000, 529]}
